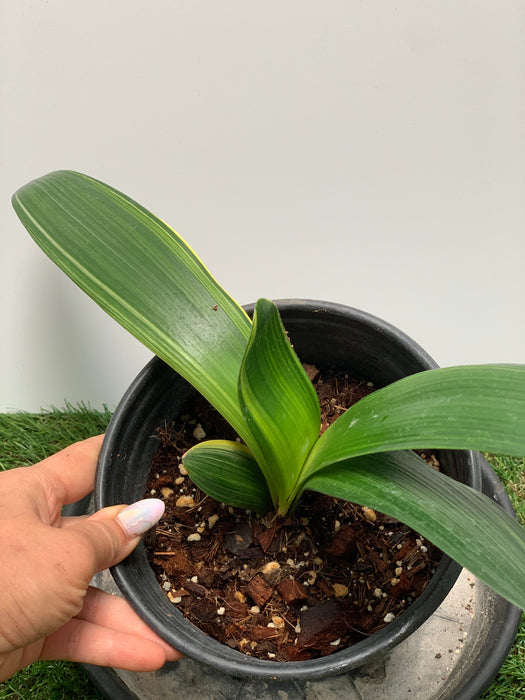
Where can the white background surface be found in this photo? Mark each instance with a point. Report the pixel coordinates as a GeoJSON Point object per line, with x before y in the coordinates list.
{"type": "Point", "coordinates": [370, 153]}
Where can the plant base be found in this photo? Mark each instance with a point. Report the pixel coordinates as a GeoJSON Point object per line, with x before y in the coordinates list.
{"type": "Point", "coordinates": [329, 575]}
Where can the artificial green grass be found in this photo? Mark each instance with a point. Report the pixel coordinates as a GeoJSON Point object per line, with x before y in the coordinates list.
{"type": "Point", "coordinates": [27, 438]}
{"type": "Point", "coordinates": [50, 680]}
{"type": "Point", "coordinates": [510, 682]}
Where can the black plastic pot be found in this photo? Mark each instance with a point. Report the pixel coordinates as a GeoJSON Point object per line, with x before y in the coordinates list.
{"type": "Point", "coordinates": [327, 335]}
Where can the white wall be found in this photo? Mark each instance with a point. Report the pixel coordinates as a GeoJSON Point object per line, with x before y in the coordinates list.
{"type": "Point", "coordinates": [371, 153]}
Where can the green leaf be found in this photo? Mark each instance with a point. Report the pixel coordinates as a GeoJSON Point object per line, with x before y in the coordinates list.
{"type": "Point", "coordinates": [479, 407]}
{"type": "Point", "coordinates": [145, 276]}
{"type": "Point", "coordinates": [279, 403]}
{"type": "Point", "coordinates": [228, 472]}
{"type": "Point", "coordinates": [464, 523]}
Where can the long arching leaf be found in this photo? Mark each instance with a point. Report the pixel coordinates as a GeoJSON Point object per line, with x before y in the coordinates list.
{"type": "Point", "coordinates": [478, 407]}
{"type": "Point", "coordinates": [464, 523]}
{"type": "Point", "coordinates": [145, 276]}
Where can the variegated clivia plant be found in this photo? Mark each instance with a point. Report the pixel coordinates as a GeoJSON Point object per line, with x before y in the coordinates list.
{"type": "Point", "coordinates": [147, 278]}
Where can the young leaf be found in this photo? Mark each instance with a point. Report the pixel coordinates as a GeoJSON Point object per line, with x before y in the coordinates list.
{"type": "Point", "coordinates": [479, 407]}
{"type": "Point", "coordinates": [464, 523]}
{"type": "Point", "coordinates": [145, 276]}
{"type": "Point", "coordinates": [228, 472]}
{"type": "Point", "coordinates": [279, 404]}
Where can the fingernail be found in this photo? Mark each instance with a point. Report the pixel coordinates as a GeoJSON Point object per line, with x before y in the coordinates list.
{"type": "Point", "coordinates": [137, 518]}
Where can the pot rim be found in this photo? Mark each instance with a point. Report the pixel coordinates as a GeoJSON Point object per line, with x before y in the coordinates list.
{"type": "Point", "coordinates": [169, 623]}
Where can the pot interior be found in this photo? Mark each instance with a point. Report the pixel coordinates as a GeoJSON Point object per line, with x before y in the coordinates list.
{"type": "Point", "coordinates": [327, 335]}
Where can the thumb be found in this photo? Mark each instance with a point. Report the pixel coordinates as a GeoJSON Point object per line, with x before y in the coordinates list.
{"type": "Point", "coordinates": [113, 533]}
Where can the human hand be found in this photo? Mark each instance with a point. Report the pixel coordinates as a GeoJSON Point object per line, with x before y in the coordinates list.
{"type": "Point", "coordinates": [48, 610]}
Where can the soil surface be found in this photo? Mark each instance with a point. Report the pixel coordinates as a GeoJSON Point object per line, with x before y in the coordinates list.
{"type": "Point", "coordinates": [284, 590]}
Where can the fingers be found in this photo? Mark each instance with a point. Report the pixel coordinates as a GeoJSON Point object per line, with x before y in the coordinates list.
{"type": "Point", "coordinates": [71, 520]}
{"type": "Point", "coordinates": [86, 642]}
{"type": "Point", "coordinates": [109, 535]}
{"type": "Point", "coordinates": [110, 611]}
{"type": "Point", "coordinates": [107, 632]}
{"type": "Point", "coordinates": [72, 470]}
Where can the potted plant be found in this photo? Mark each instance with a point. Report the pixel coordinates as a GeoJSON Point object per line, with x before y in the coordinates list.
{"type": "Point", "coordinates": [145, 276]}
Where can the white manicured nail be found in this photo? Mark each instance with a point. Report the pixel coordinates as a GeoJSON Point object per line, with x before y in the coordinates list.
{"type": "Point", "coordinates": [139, 517]}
